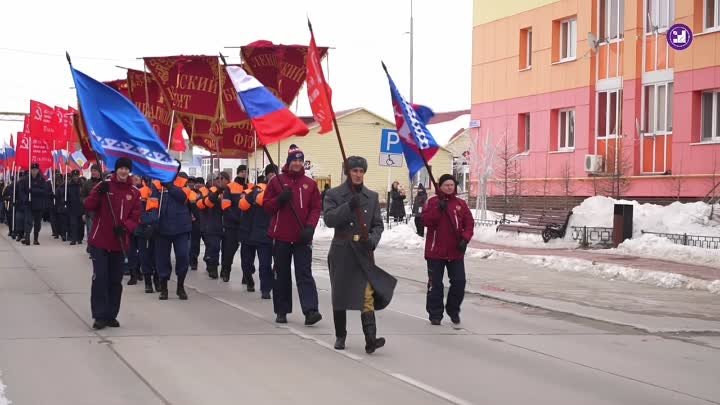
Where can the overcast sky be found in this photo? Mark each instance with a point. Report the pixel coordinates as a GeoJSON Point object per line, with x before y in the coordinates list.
{"type": "Point", "coordinates": [101, 34]}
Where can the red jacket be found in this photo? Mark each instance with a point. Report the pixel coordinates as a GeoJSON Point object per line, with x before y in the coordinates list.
{"type": "Point", "coordinates": [305, 198]}
{"type": "Point", "coordinates": [125, 204]}
{"type": "Point", "coordinates": [442, 234]}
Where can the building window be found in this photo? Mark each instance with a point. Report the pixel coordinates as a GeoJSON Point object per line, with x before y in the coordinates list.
{"type": "Point", "coordinates": [612, 19]}
{"type": "Point", "coordinates": [660, 15]}
{"type": "Point", "coordinates": [568, 39]}
{"type": "Point", "coordinates": [566, 129]}
{"type": "Point", "coordinates": [657, 109]}
{"type": "Point", "coordinates": [524, 132]}
{"type": "Point", "coordinates": [711, 116]}
{"type": "Point", "coordinates": [526, 48]}
{"type": "Point", "coordinates": [609, 107]}
{"type": "Point", "coordinates": [711, 15]}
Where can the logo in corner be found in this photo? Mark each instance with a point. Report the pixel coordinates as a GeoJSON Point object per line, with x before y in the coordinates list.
{"type": "Point", "coordinates": [679, 37]}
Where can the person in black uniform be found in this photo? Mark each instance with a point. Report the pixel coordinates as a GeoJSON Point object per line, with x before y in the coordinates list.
{"type": "Point", "coordinates": [38, 200]}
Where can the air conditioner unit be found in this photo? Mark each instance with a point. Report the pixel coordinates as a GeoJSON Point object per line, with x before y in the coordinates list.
{"type": "Point", "coordinates": [593, 163]}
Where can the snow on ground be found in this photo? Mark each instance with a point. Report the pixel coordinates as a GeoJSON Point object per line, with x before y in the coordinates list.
{"type": "Point", "coordinates": [678, 218]}
{"type": "Point", "coordinates": [606, 271]}
{"type": "Point", "coordinates": [3, 399]}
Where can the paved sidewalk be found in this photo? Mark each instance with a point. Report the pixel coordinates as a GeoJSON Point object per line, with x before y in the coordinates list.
{"type": "Point", "coordinates": [690, 270]}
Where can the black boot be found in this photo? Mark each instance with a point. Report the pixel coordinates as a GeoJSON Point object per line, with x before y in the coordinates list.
{"type": "Point", "coordinates": [133, 278]}
{"type": "Point", "coordinates": [212, 272]}
{"type": "Point", "coordinates": [181, 288]}
{"type": "Point", "coordinates": [340, 320]}
{"type": "Point", "coordinates": [140, 276]}
{"type": "Point", "coordinates": [163, 290]}
{"type": "Point", "coordinates": [250, 283]}
{"type": "Point", "coordinates": [35, 239]}
{"type": "Point", "coordinates": [193, 264]}
{"type": "Point", "coordinates": [370, 330]}
{"type": "Point", "coordinates": [149, 285]}
{"type": "Point", "coordinates": [26, 240]}
{"type": "Point", "coordinates": [156, 282]}
{"type": "Point", "coordinates": [225, 273]}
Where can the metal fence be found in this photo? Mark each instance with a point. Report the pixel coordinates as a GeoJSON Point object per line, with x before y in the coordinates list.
{"type": "Point", "coordinates": [701, 241]}
{"type": "Point", "coordinates": [592, 235]}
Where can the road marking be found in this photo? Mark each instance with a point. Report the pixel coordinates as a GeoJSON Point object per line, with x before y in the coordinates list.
{"type": "Point", "coordinates": [430, 389]}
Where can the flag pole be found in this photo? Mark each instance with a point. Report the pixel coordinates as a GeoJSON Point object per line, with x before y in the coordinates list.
{"type": "Point", "coordinates": [67, 145]}
{"type": "Point", "coordinates": [172, 121]}
{"type": "Point", "coordinates": [29, 138]}
{"type": "Point", "coordinates": [14, 199]}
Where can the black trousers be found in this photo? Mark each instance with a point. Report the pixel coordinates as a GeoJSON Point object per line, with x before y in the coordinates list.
{"type": "Point", "coordinates": [33, 221]}
{"type": "Point", "coordinates": [212, 249]}
{"type": "Point", "coordinates": [106, 283]}
{"type": "Point", "coordinates": [436, 290]}
{"type": "Point", "coordinates": [301, 255]}
{"type": "Point", "coordinates": [230, 245]}
{"type": "Point", "coordinates": [195, 237]}
{"type": "Point", "coordinates": [75, 228]}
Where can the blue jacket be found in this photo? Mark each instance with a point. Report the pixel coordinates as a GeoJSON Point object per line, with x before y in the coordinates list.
{"type": "Point", "coordinates": [174, 211]}
{"type": "Point", "coordinates": [259, 222]}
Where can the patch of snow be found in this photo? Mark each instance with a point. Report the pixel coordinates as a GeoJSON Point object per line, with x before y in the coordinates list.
{"type": "Point", "coordinates": [488, 234]}
{"type": "Point", "coordinates": [400, 236]}
{"type": "Point", "coordinates": [606, 271]}
{"type": "Point", "coordinates": [658, 247]}
{"type": "Point", "coordinates": [3, 399]}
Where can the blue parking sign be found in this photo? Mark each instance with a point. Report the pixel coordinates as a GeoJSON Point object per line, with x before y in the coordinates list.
{"type": "Point", "coordinates": [390, 142]}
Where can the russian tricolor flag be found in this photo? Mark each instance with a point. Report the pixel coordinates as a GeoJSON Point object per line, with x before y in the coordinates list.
{"type": "Point", "coordinates": [272, 120]}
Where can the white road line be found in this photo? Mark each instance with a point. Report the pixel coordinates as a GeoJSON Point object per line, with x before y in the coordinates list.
{"type": "Point", "coordinates": [424, 319]}
{"type": "Point", "coordinates": [430, 389]}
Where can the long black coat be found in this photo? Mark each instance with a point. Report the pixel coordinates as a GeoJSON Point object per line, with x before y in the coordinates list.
{"type": "Point", "coordinates": [397, 204]}
{"type": "Point", "coordinates": [74, 199]}
{"type": "Point", "coordinates": [40, 192]}
{"type": "Point", "coordinates": [351, 266]}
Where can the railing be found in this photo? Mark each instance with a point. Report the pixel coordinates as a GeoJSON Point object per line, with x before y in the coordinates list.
{"type": "Point", "coordinates": [701, 241]}
{"type": "Point", "coordinates": [491, 222]}
{"type": "Point", "coordinates": [592, 235]}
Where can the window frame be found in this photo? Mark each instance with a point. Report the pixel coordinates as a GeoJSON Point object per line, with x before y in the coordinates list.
{"type": "Point", "coordinates": [605, 25]}
{"type": "Point", "coordinates": [648, 112]}
{"type": "Point", "coordinates": [570, 113]}
{"type": "Point", "coordinates": [716, 17]}
{"type": "Point", "coordinates": [527, 125]}
{"type": "Point", "coordinates": [615, 132]}
{"type": "Point", "coordinates": [571, 46]}
{"type": "Point", "coordinates": [670, 9]}
{"type": "Point", "coordinates": [715, 117]}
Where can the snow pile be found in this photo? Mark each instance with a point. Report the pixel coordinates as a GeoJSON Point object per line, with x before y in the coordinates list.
{"type": "Point", "coordinates": [488, 234]}
{"type": "Point", "coordinates": [3, 399]}
{"type": "Point", "coordinates": [690, 218]}
{"type": "Point", "coordinates": [402, 236]}
{"type": "Point", "coordinates": [657, 247]}
{"type": "Point", "coordinates": [606, 271]}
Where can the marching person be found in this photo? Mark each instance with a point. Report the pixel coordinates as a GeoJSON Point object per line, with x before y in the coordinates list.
{"type": "Point", "coordinates": [258, 242]}
{"type": "Point", "coordinates": [173, 232]}
{"type": "Point", "coordinates": [133, 253]}
{"type": "Point", "coordinates": [75, 208]}
{"type": "Point", "coordinates": [86, 188]}
{"type": "Point", "coordinates": [38, 192]}
{"type": "Point", "coordinates": [232, 218]}
{"type": "Point", "coordinates": [61, 208]}
{"type": "Point", "coordinates": [20, 200]}
{"type": "Point", "coordinates": [450, 227]}
{"type": "Point", "coordinates": [52, 209]}
{"type": "Point", "coordinates": [196, 234]}
{"type": "Point", "coordinates": [350, 257]}
{"type": "Point", "coordinates": [115, 206]}
{"type": "Point", "coordinates": [211, 227]}
{"type": "Point", "coordinates": [241, 175]}
{"type": "Point", "coordinates": [144, 237]}
{"type": "Point", "coordinates": [293, 202]}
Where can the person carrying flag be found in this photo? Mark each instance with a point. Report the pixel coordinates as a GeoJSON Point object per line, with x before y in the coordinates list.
{"type": "Point", "coordinates": [293, 201]}
{"type": "Point", "coordinates": [115, 205]}
{"type": "Point", "coordinates": [450, 227]}
{"type": "Point", "coordinates": [38, 194]}
{"type": "Point", "coordinates": [211, 221]}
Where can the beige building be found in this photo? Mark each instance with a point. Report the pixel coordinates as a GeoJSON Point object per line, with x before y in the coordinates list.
{"type": "Point", "coordinates": [361, 132]}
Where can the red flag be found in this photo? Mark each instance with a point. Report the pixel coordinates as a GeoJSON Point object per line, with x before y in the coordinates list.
{"type": "Point", "coordinates": [318, 90]}
{"type": "Point", "coordinates": [177, 143]}
{"type": "Point", "coordinates": [41, 120]}
{"type": "Point", "coordinates": [61, 126]}
{"type": "Point", "coordinates": [40, 152]}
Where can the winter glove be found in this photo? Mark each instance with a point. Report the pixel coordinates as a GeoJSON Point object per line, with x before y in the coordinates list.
{"type": "Point", "coordinates": [148, 232]}
{"type": "Point", "coordinates": [119, 231]}
{"type": "Point", "coordinates": [306, 235]}
{"type": "Point", "coordinates": [354, 202]}
{"type": "Point", "coordinates": [103, 187]}
{"type": "Point", "coordinates": [462, 246]}
{"type": "Point", "coordinates": [285, 197]}
{"type": "Point", "coordinates": [443, 205]}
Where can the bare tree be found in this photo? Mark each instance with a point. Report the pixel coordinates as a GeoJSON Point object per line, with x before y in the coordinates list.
{"type": "Point", "coordinates": [566, 181]}
{"type": "Point", "coordinates": [482, 158]}
{"type": "Point", "coordinates": [508, 177]}
{"type": "Point", "coordinates": [618, 168]}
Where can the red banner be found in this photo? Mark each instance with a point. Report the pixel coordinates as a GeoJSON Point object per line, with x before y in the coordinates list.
{"type": "Point", "coordinates": [147, 95]}
{"type": "Point", "coordinates": [120, 85]}
{"type": "Point", "coordinates": [81, 132]}
{"type": "Point", "coordinates": [230, 141]}
{"type": "Point", "coordinates": [62, 129]}
{"type": "Point", "coordinates": [319, 93]}
{"type": "Point", "coordinates": [281, 68]}
{"type": "Point", "coordinates": [190, 83]}
{"type": "Point", "coordinates": [41, 120]}
{"type": "Point", "coordinates": [39, 152]}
